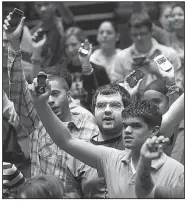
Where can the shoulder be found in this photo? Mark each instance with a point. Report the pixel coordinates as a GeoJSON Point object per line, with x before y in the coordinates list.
{"type": "Point", "coordinates": [167, 50]}
{"type": "Point", "coordinates": [122, 54]}
{"type": "Point", "coordinates": [94, 56]}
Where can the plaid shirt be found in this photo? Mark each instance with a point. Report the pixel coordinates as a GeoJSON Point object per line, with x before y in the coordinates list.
{"type": "Point", "coordinates": [46, 157]}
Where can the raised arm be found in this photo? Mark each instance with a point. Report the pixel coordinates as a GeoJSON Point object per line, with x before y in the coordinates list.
{"type": "Point", "coordinates": [19, 92]}
{"type": "Point", "coordinates": [144, 186]}
{"type": "Point", "coordinates": [173, 117]}
{"type": "Point", "coordinates": [60, 134]}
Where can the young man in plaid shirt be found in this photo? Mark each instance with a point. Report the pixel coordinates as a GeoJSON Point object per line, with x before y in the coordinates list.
{"type": "Point", "coordinates": [46, 157]}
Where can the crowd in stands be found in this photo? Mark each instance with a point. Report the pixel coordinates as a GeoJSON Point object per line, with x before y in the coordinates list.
{"type": "Point", "coordinates": [91, 133]}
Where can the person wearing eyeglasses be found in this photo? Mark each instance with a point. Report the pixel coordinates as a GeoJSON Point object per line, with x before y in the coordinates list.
{"type": "Point", "coordinates": [141, 53]}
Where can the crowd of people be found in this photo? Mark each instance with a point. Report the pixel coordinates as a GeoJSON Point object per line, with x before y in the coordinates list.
{"type": "Point", "coordinates": [91, 134]}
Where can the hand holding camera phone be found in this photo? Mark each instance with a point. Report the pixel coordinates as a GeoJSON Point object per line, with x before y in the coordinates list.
{"type": "Point", "coordinates": [133, 79]}
{"type": "Point", "coordinates": [84, 49]}
{"type": "Point", "coordinates": [163, 63]}
{"type": "Point", "coordinates": [15, 19]}
{"type": "Point", "coordinates": [41, 80]}
{"type": "Point", "coordinates": [38, 35]}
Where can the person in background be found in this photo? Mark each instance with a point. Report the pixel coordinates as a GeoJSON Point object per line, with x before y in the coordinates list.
{"type": "Point", "coordinates": [145, 186]}
{"type": "Point", "coordinates": [80, 90]}
{"type": "Point", "coordinates": [165, 15]}
{"type": "Point", "coordinates": [53, 50]}
{"type": "Point", "coordinates": [142, 52]}
{"type": "Point", "coordinates": [91, 185]}
{"type": "Point", "coordinates": [42, 187]}
{"type": "Point", "coordinates": [46, 157]}
{"type": "Point", "coordinates": [107, 38]}
{"type": "Point", "coordinates": [177, 36]}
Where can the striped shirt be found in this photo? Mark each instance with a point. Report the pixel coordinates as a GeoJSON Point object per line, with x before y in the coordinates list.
{"type": "Point", "coordinates": [12, 177]}
{"type": "Point", "coordinates": [46, 157]}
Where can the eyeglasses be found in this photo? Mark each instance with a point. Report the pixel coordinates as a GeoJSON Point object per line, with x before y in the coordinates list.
{"type": "Point", "coordinates": [139, 34]}
{"type": "Point", "coordinates": [112, 105]}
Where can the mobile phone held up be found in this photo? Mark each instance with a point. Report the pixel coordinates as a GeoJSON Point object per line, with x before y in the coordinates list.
{"type": "Point", "coordinates": [41, 80]}
{"type": "Point", "coordinates": [38, 35]}
{"type": "Point", "coordinates": [85, 49]}
{"type": "Point", "coordinates": [133, 79]}
{"type": "Point", "coordinates": [163, 63]}
{"type": "Point", "coordinates": [15, 19]}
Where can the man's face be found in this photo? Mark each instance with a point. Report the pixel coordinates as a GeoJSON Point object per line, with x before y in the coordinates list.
{"type": "Point", "coordinates": [140, 36]}
{"type": "Point", "coordinates": [158, 99]}
{"type": "Point", "coordinates": [58, 99]}
{"type": "Point", "coordinates": [136, 131]}
{"type": "Point", "coordinates": [45, 9]}
{"type": "Point", "coordinates": [108, 113]}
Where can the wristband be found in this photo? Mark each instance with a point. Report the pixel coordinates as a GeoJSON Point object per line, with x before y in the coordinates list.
{"type": "Point", "coordinates": [172, 89]}
{"type": "Point", "coordinates": [87, 69]}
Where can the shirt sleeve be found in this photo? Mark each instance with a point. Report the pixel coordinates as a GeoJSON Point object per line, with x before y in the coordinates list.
{"type": "Point", "coordinates": [19, 92]}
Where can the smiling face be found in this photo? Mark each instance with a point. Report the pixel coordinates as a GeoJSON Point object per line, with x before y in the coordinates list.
{"type": "Point", "coordinates": [177, 18]}
{"type": "Point", "coordinates": [158, 99]}
{"type": "Point", "coordinates": [108, 113]}
{"type": "Point", "coordinates": [136, 131]}
{"type": "Point", "coordinates": [72, 44]}
{"type": "Point", "coordinates": [107, 36]}
{"type": "Point", "coordinates": [58, 100]}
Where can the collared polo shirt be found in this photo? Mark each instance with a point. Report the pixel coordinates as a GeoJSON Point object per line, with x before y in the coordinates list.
{"type": "Point", "coordinates": [115, 165]}
{"type": "Point", "coordinates": [125, 64]}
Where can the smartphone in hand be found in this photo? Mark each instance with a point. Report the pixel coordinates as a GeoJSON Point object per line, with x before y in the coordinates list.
{"type": "Point", "coordinates": [85, 49]}
{"type": "Point", "coordinates": [163, 63]}
{"type": "Point", "coordinates": [135, 77]}
{"type": "Point", "coordinates": [41, 80]}
{"type": "Point", "coordinates": [15, 19]}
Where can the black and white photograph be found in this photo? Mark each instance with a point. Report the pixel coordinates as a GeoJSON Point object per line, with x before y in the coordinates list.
{"type": "Point", "coordinates": [93, 99]}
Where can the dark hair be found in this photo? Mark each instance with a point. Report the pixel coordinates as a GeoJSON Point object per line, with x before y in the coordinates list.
{"type": "Point", "coordinates": [140, 19]}
{"type": "Point", "coordinates": [75, 31]}
{"type": "Point", "coordinates": [60, 80]}
{"type": "Point", "coordinates": [178, 4]}
{"type": "Point", "coordinates": [158, 85]}
{"type": "Point", "coordinates": [146, 110]}
{"type": "Point", "coordinates": [109, 90]}
{"type": "Point", "coordinates": [113, 24]}
{"type": "Point", "coordinates": [46, 186]}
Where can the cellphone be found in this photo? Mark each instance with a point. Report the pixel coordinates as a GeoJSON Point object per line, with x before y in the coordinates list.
{"type": "Point", "coordinates": [85, 50]}
{"type": "Point", "coordinates": [40, 34]}
{"type": "Point", "coordinates": [139, 59]}
{"type": "Point", "coordinates": [16, 18]}
{"type": "Point", "coordinates": [41, 79]}
{"type": "Point", "coordinates": [135, 77]}
{"type": "Point", "coordinates": [163, 62]}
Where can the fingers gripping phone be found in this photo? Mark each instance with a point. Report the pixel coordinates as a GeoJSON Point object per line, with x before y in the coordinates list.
{"type": "Point", "coordinates": [41, 80]}
{"type": "Point", "coordinates": [163, 63]}
{"type": "Point", "coordinates": [39, 35]}
{"type": "Point", "coordinates": [16, 18]}
{"type": "Point", "coordinates": [85, 49]}
{"type": "Point", "coordinates": [135, 77]}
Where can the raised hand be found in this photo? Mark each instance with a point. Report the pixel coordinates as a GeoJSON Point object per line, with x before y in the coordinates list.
{"type": "Point", "coordinates": [132, 90]}
{"type": "Point", "coordinates": [39, 99]}
{"type": "Point", "coordinates": [153, 147]}
{"type": "Point", "coordinates": [85, 58]}
{"type": "Point", "coordinates": [15, 35]}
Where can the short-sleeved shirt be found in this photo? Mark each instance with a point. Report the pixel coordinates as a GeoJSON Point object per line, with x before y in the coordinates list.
{"type": "Point", "coordinates": [124, 63]}
{"type": "Point", "coordinates": [115, 165]}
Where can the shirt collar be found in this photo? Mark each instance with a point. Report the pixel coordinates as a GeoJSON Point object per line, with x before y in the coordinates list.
{"type": "Point", "coordinates": [156, 164]}
{"type": "Point", "coordinates": [155, 46]}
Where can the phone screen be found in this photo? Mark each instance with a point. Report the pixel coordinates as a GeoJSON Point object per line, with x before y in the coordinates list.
{"type": "Point", "coordinates": [161, 60]}
{"type": "Point", "coordinates": [16, 18]}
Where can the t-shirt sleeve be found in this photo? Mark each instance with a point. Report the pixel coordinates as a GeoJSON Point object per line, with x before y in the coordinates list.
{"type": "Point", "coordinates": [169, 192]}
